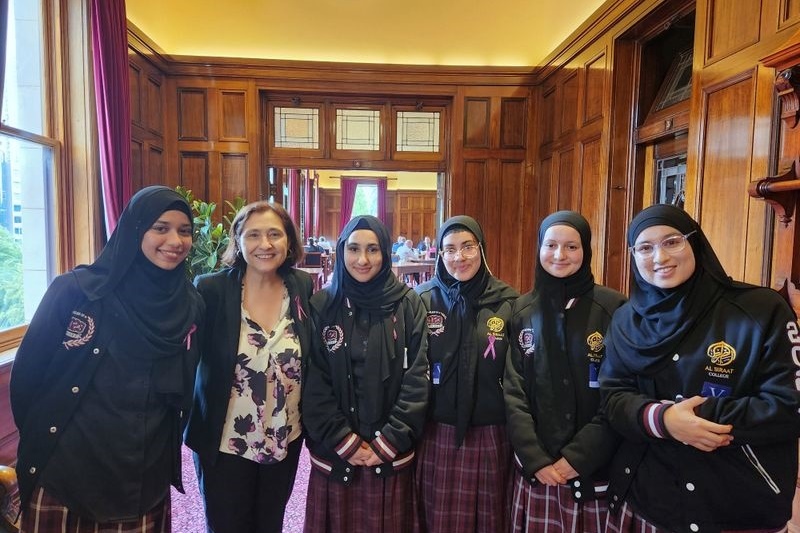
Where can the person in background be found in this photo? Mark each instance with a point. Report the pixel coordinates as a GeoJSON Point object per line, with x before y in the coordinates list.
{"type": "Point", "coordinates": [406, 252]}
{"type": "Point", "coordinates": [464, 455]}
{"type": "Point", "coordinates": [323, 243]}
{"type": "Point", "coordinates": [366, 392]}
{"type": "Point", "coordinates": [311, 246]}
{"type": "Point", "coordinates": [700, 379]}
{"type": "Point", "coordinates": [245, 426]}
{"type": "Point", "coordinates": [396, 245]}
{"type": "Point", "coordinates": [103, 376]}
{"type": "Point", "coordinates": [562, 443]}
{"type": "Point", "coordinates": [424, 244]}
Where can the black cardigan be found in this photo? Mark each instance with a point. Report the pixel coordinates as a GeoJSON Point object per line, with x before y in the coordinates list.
{"type": "Point", "coordinates": [219, 343]}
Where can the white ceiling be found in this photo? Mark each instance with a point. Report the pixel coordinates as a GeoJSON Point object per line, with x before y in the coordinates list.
{"type": "Point", "coordinates": [417, 32]}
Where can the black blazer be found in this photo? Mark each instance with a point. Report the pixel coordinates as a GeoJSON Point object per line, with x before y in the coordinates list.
{"type": "Point", "coordinates": [219, 343]}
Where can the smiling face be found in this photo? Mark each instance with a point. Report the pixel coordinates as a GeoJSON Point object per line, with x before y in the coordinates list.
{"type": "Point", "coordinates": [362, 255]}
{"type": "Point", "coordinates": [168, 241]}
{"type": "Point", "coordinates": [263, 242]}
{"type": "Point", "coordinates": [460, 267]}
{"type": "Point", "coordinates": [662, 269]}
{"type": "Point", "coordinates": [561, 252]}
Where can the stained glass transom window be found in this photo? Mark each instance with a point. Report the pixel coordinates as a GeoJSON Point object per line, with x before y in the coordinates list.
{"type": "Point", "coordinates": [358, 129]}
{"type": "Point", "coordinates": [418, 131]}
{"type": "Point", "coordinates": [296, 128]}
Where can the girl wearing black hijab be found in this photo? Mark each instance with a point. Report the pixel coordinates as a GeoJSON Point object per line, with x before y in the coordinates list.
{"type": "Point", "coordinates": [366, 391]}
{"type": "Point", "coordinates": [464, 456]}
{"type": "Point", "coordinates": [701, 380]}
{"type": "Point", "coordinates": [104, 376]}
{"type": "Point", "coordinates": [562, 443]}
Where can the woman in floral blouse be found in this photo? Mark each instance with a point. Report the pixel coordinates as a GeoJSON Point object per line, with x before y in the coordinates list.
{"type": "Point", "coordinates": [245, 425]}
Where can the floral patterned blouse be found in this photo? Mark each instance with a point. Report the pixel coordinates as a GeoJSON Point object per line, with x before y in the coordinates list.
{"type": "Point", "coordinates": [263, 412]}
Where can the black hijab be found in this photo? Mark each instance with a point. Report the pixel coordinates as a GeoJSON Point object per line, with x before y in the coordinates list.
{"type": "Point", "coordinates": [559, 290]}
{"type": "Point", "coordinates": [649, 328]}
{"type": "Point", "coordinates": [463, 299]}
{"type": "Point", "coordinates": [150, 310]}
{"type": "Point", "coordinates": [378, 295]}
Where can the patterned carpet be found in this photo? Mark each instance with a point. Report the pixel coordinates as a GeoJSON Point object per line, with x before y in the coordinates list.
{"type": "Point", "coordinates": [187, 509]}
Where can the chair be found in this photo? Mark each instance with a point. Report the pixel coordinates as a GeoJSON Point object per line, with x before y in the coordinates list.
{"type": "Point", "coordinates": [312, 259]}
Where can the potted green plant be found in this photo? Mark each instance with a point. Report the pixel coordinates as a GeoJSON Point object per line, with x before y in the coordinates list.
{"type": "Point", "coordinates": [210, 238]}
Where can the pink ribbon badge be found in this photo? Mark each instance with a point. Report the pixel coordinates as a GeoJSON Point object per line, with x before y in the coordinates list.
{"type": "Point", "coordinates": [490, 347]}
{"type": "Point", "coordinates": [188, 339]}
{"type": "Point", "coordinates": [301, 314]}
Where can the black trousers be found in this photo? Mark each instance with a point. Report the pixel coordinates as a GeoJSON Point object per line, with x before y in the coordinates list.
{"type": "Point", "coordinates": [242, 496]}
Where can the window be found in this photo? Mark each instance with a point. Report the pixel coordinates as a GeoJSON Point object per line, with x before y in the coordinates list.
{"type": "Point", "coordinates": [366, 200]}
{"type": "Point", "coordinates": [26, 170]}
{"type": "Point", "coordinates": [38, 212]}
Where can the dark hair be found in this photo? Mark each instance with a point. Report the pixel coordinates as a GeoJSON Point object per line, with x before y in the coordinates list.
{"type": "Point", "coordinates": [232, 256]}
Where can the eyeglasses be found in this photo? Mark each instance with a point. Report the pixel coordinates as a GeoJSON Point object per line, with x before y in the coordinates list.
{"type": "Point", "coordinates": [467, 252]}
{"type": "Point", "coordinates": [671, 245]}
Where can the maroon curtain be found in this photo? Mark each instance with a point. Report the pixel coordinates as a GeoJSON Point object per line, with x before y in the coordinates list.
{"type": "Point", "coordinates": [316, 204]}
{"type": "Point", "coordinates": [110, 62]}
{"type": "Point", "coordinates": [348, 197]}
{"type": "Point", "coordinates": [381, 184]}
{"type": "Point", "coordinates": [307, 227]}
{"type": "Point", "coordinates": [294, 196]}
{"type": "Point", "coordinates": [3, 47]}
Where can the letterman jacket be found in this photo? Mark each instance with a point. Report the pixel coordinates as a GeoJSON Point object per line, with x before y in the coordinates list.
{"type": "Point", "coordinates": [330, 410]}
{"type": "Point", "coordinates": [553, 402]}
{"type": "Point", "coordinates": [744, 357]}
{"type": "Point", "coordinates": [487, 359]}
{"type": "Point", "coordinates": [55, 364]}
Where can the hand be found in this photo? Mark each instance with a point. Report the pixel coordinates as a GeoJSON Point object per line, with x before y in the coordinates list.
{"type": "Point", "coordinates": [685, 426]}
{"type": "Point", "coordinates": [565, 469]}
{"type": "Point", "coordinates": [362, 455]}
{"type": "Point", "coordinates": [550, 476]}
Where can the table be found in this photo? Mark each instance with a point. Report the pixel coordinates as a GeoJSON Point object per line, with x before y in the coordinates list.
{"type": "Point", "coordinates": [317, 274]}
{"type": "Point", "coordinates": [424, 268]}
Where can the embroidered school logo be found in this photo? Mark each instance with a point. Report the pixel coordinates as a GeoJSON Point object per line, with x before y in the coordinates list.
{"type": "Point", "coordinates": [595, 342]}
{"type": "Point", "coordinates": [79, 331]}
{"type": "Point", "coordinates": [526, 341]}
{"type": "Point", "coordinates": [495, 324]}
{"type": "Point", "coordinates": [332, 336]}
{"type": "Point", "coordinates": [435, 321]}
{"type": "Point", "coordinates": [721, 353]}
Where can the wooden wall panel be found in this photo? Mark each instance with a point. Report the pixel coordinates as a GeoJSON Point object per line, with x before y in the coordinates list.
{"type": "Point", "coordinates": [330, 201]}
{"type": "Point", "coordinates": [789, 13]}
{"type": "Point", "coordinates": [475, 175]}
{"type": "Point", "coordinates": [234, 172]}
{"type": "Point", "coordinates": [567, 187]}
{"type": "Point", "coordinates": [415, 214]}
{"type": "Point", "coordinates": [154, 119]}
{"type": "Point", "coordinates": [134, 81]}
{"type": "Point", "coordinates": [233, 116]}
{"type": "Point", "coordinates": [594, 82]}
{"type": "Point", "coordinates": [476, 122]}
{"type": "Point", "coordinates": [137, 164]}
{"type": "Point", "coordinates": [511, 187]}
{"type": "Point", "coordinates": [568, 104]}
{"type": "Point", "coordinates": [548, 113]}
{"type": "Point", "coordinates": [154, 171]}
{"type": "Point", "coordinates": [592, 203]}
{"type": "Point", "coordinates": [726, 168]}
{"type": "Point", "coordinates": [513, 122]}
{"type": "Point", "coordinates": [194, 173]}
{"type": "Point", "coordinates": [192, 114]}
{"type": "Point", "coordinates": [731, 30]}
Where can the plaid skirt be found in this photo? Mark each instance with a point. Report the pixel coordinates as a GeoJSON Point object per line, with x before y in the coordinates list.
{"type": "Point", "coordinates": [45, 514]}
{"type": "Point", "coordinates": [539, 508]}
{"type": "Point", "coordinates": [369, 504]}
{"type": "Point", "coordinates": [464, 489]}
{"type": "Point", "coordinates": [627, 521]}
